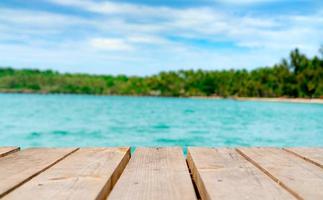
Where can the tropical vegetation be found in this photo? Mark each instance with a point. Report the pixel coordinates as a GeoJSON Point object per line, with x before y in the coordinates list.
{"type": "Point", "coordinates": [297, 76]}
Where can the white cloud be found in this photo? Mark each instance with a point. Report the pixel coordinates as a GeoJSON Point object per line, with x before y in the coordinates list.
{"type": "Point", "coordinates": [147, 39]}
{"type": "Point", "coordinates": [109, 7]}
{"type": "Point", "coordinates": [146, 35]}
{"type": "Point", "coordinates": [245, 2]}
{"type": "Point", "coordinates": [39, 19]}
{"type": "Point", "coordinates": [110, 44]}
{"type": "Point", "coordinates": [268, 32]}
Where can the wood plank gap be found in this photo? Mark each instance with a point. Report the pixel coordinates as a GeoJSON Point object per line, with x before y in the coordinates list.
{"type": "Point", "coordinates": [279, 182]}
{"type": "Point", "coordinates": [303, 157]}
{"type": "Point", "coordinates": [198, 196]}
{"type": "Point", "coordinates": [115, 177]}
{"type": "Point", "coordinates": [196, 178]}
{"type": "Point", "coordinates": [220, 171]}
{"type": "Point", "coordinates": [10, 150]}
{"type": "Point", "coordinates": [88, 173]}
{"type": "Point", "coordinates": [37, 173]}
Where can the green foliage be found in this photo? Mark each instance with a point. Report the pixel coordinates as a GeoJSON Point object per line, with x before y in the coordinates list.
{"type": "Point", "coordinates": [298, 76]}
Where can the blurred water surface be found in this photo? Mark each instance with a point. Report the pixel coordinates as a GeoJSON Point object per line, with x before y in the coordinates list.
{"type": "Point", "coordinates": [29, 120]}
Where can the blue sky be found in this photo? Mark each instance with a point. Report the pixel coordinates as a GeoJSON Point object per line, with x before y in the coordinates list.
{"type": "Point", "coordinates": [142, 37]}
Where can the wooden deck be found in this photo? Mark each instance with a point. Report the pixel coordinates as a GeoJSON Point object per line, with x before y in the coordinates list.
{"type": "Point", "coordinates": [161, 173]}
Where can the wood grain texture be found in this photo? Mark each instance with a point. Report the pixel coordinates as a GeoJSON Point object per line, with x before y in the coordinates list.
{"type": "Point", "coordinates": [155, 173]}
{"type": "Point", "coordinates": [224, 174]}
{"type": "Point", "coordinates": [312, 155]}
{"type": "Point", "coordinates": [89, 173]}
{"type": "Point", "coordinates": [17, 168]}
{"type": "Point", "coordinates": [299, 177]}
{"type": "Point", "coordinates": [8, 150]}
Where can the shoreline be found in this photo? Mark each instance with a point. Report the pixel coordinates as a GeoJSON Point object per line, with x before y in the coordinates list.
{"type": "Point", "coordinates": [268, 99]}
{"type": "Point", "coordinates": [260, 99]}
{"type": "Point", "coordinates": [281, 99]}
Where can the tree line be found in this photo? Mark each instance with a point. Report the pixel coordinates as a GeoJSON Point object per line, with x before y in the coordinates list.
{"type": "Point", "coordinates": [297, 76]}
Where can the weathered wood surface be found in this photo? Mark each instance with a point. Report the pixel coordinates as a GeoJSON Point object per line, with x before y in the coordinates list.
{"type": "Point", "coordinates": [313, 155]}
{"type": "Point", "coordinates": [161, 173]}
{"type": "Point", "coordinates": [155, 173]}
{"type": "Point", "coordinates": [88, 173]}
{"type": "Point", "coordinates": [17, 168]}
{"type": "Point", "coordinates": [225, 174]}
{"type": "Point", "coordinates": [7, 150]}
{"type": "Point", "coordinates": [301, 178]}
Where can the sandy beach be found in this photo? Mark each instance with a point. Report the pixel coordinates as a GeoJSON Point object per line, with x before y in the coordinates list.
{"type": "Point", "coordinates": [290, 100]}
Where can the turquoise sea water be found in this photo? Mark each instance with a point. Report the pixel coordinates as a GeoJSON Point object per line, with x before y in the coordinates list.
{"type": "Point", "coordinates": [79, 120]}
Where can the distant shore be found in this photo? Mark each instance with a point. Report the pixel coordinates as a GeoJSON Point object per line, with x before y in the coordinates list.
{"type": "Point", "coordinates": [266, 99]}
{"type": "Point", "coordinates": [281, 99]}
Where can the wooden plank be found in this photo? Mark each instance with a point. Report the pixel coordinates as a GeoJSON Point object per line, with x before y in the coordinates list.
{"type": "Point", "coordinates": [224, 174]}
{"type": "Point", "coordinates": [313, 155]}
{"type": "Point", "coordinates": [8, 150]}
{"type": "Point", "coordinates": [155, 173]}
{"type": "Point", "coordinates": [89, 173]}
{"type": "Point", "coordinates": [17, 168]}
{"type": "Point", "coordinates": [299, 177]}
